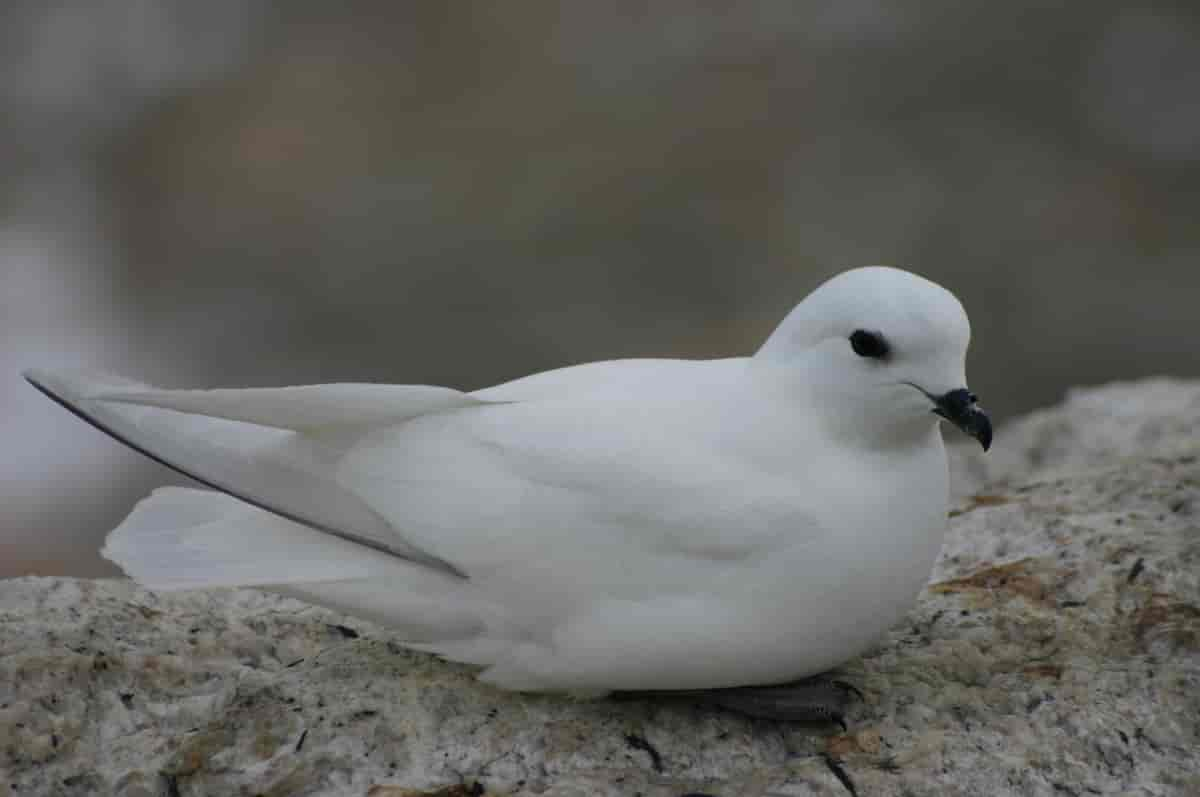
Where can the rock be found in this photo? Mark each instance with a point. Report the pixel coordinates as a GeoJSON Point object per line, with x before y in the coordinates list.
{"type": "Point", "coordinates": [1056, 651]}
{"type": "Point", "coordinates": [1092, 426]}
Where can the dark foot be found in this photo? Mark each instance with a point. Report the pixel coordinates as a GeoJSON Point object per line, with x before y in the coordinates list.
{"type": "Point", "coordinates": [817, 699]}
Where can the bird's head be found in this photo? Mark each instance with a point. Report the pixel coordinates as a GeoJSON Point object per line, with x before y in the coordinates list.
{"type": "Point", "coordinates": [884, 352]}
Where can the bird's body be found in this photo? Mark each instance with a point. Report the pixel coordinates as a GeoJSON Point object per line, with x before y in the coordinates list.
{"type": "Point", "coordinates": [637, 524]}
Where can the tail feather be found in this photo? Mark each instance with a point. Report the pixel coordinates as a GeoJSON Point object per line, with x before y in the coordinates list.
{"type": "Point", "coordinates": [182, 538]}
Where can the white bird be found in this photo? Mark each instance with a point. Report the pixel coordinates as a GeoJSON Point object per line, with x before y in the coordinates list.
{"type": "Point", "coordinates": [625, 525]}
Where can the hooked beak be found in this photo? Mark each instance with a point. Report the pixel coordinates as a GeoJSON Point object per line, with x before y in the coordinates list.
{"type": "Point", "coordinates": [960, 407]}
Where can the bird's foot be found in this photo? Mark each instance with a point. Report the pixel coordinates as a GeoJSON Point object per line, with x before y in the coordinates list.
{"type": "Point", "coordinates": [820, 698]}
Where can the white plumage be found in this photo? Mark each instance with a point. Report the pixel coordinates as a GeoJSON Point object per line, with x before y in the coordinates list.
{"type": "Point", "coordinates": [638, 524]}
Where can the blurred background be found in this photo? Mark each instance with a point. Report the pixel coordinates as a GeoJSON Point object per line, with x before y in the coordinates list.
{"type": "Point", "coordinates": [244, 193]}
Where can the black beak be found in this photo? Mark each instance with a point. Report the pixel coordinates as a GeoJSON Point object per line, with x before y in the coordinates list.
{"type": "Point", "coordinates": [960, 408]}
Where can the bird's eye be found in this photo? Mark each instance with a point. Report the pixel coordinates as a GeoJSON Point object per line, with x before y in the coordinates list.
{"type": "Point", "coordinates": [869, 344]}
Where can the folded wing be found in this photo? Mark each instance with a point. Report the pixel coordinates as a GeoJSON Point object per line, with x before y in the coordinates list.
{"type": "Point", "coordinates": [273, 448]}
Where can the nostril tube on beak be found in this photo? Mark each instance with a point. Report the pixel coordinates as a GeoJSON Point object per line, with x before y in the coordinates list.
{"type": "Point", "coordinates": [961, 408]}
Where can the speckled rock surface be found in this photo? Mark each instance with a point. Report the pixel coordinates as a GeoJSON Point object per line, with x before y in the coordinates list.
{"type": "Point", "coordinates": [1056, 652]}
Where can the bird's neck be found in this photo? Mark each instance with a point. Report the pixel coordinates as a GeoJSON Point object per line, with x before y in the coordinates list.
{"type": "Point", "coordinates": [872, 422]}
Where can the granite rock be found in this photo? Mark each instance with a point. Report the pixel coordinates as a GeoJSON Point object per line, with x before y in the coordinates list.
{"type": "Point", "coordinates": [1056, 651]}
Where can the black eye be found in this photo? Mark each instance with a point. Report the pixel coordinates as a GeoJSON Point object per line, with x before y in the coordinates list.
{"type": "Point", "coordinates": [869, 344]}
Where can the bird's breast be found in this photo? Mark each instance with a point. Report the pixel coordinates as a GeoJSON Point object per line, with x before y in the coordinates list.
{"type": "Point", "coordinates": [878, 526]}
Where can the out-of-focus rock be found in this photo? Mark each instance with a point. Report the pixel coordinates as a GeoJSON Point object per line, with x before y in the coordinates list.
{"type": "Point", "coordinates": [1092, 426]}
{"type": "Point", "coordinates": [1056, 651]}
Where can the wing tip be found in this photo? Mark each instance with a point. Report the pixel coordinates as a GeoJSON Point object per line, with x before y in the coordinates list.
{"type": "Point", "coordinates": [51, 387]}
{"type": "Point", "coordinates": [36, 377]}
{"type": "Point", "coordinates": [77, 385]}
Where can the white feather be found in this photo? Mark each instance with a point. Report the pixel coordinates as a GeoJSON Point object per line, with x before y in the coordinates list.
{"type": "Point", "coordinates": [303, 408]}
{"type": "Point", "coordinates": [183, 538]}
{"type": "Point", "coordinates": [180, 538]}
